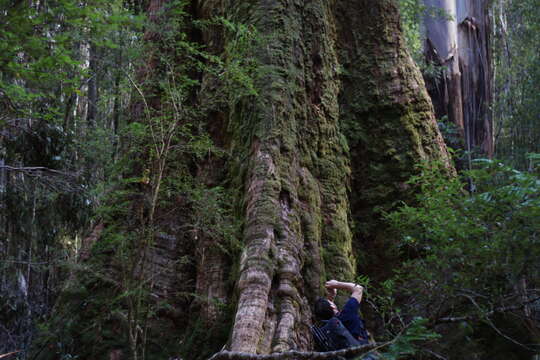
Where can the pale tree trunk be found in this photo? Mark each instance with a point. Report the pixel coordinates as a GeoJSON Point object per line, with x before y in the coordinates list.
{"type": "Point", "coordinates": [475, 59]}
{"type": "Point", "coordinates": [458, 38]}
{"type": "Point", "coordinates": [441, 48]}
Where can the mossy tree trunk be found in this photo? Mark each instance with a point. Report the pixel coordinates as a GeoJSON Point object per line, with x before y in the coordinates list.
{"type": "Point", "coordinates": [387, 115]}
{"type": "Point", "coordinates": [340, 119]}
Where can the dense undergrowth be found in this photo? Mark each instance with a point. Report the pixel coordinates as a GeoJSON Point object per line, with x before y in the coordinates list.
{"type": "Point", "coordinates": [472, 245]}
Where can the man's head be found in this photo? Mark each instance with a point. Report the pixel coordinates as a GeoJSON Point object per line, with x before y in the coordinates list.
{"type": "Point", "coordinates": [324, 309]}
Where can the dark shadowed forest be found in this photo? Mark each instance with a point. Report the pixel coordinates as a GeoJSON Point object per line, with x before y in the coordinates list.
{"type": "Point", "coordinates": [183, 179]}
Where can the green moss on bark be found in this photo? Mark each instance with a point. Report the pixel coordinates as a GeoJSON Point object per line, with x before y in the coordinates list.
{"type": "Point", "coordinates": [388, 118]}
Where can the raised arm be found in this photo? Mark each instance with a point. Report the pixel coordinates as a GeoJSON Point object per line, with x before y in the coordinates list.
{"type": "Point", "coordinates": [355, 289]}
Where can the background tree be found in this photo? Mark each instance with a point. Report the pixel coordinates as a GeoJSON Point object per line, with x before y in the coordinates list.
{"type": "Point", "coordinates": [47, 165]}
{"type": "Point", "coordinates": [458, 39]}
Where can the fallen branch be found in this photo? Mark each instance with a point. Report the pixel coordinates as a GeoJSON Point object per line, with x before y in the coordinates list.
{"type": "Point", "coordinates": [55, 180]}
{"type": "Point", "coordinates": [30, 169]}
{"type": "Point", "coordinates": [299, 355]}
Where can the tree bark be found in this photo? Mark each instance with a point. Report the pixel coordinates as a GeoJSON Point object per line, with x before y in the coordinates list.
{"type": "Point", "coordinates": [295, 179]}
{"type": "Point", "coordinates": [441, 49]}
{"type": "Point", "coordinates": [298, 127]}
{"type": "Point", "coordinates": [388, 117]}
{"type": "Point", "coordinates": [474, 29]}
{"type": "Point", "coordinates": [459, 41]}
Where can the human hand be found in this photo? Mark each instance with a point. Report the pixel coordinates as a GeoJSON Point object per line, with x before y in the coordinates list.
{"type": "Point", "coordinates": [332, 284]}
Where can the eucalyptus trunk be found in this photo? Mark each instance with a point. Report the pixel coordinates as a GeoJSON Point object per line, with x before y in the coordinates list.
{"type": "Point", "coordinates": [458, 40]}
{"type": "Point", "coordinates": [475, 56]}
{"type": "Point", "coordinates": [441, 48]}
{"type": "Point", "coordinates": [341, 118]}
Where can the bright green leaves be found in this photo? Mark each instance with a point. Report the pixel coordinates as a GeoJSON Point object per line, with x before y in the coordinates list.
{"type": "Point", "coordinates": [470, 241]}
{"type": "Point", "coordinates": [240, 64]}
{"type": "Point", "coordinates": [412, 12]}
{"type": "Point", "coordinates": [40, 47]}
{"type": "Point", "coordinates": [459, 231]}
{"type": "Point", "coordinates": [469, 248]}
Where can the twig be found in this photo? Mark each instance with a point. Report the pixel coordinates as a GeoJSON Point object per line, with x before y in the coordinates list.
{"type": "Point", "coordinates": [490, 323]}
{"type": "Point", "coordinates": [25, 262]}
{"type": "Point", "coordinates": [438, 356]}
{"type": "Point", "coordinates": [498, 310]}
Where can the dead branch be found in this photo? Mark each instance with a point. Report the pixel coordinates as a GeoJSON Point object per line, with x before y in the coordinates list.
{"type": "Point", "coordinates": [33, 169]}
{"type": "Point", "coordinates": [498, 310]}
{"type": "Point", "coordinates": [55, 180]}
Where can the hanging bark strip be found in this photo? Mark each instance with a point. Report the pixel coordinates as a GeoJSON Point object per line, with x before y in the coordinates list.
{"type": "Point", "coordinates": [475, 61]}
{"type": "Point", "coordinates": [441, 49]}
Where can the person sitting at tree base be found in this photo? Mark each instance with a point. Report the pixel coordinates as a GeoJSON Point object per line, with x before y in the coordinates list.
{"type": "Point", "coordinates": [339, 329]}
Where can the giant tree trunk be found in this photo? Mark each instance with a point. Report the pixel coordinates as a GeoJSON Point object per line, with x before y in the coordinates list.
{"type": "Point", "coordinates": [340, 120]}
{"type": "Point", "coordinates": [337, 66]}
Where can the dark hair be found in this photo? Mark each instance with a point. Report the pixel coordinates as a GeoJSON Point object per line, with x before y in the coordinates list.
{"type": "Point", "coordinates": [322, 309]}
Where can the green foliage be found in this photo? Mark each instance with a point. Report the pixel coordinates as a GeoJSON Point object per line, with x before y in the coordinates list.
{"type": "Point", "coordinates": [213, 217]}
{"type": "Point", "coordinates": [39, 53]}
{"type": "Point", "coordinates": [158, 186]}
{"type": "Point", "coordinates": [493, 227]}
{"type": "Point", "coordinates": [516, 107]}
{"type": "Point", "coordinates": [46, 188]}
{"type": "Point", "coordinates": [469, 249]}
{"type": "Point", "coordinates": [411, 340]}
{"type": "Point", "coordinates": [412, 12]}
{"type": "Point", "coordinates": [239, 64]}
